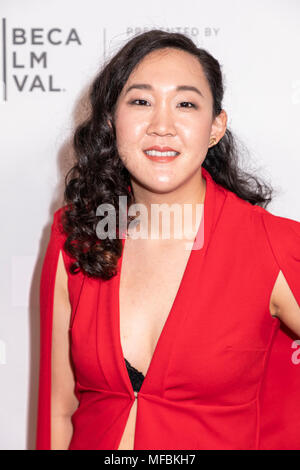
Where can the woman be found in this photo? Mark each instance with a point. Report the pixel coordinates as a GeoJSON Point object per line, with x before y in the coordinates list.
{"type": "Point", "coordinates": [181, 348]}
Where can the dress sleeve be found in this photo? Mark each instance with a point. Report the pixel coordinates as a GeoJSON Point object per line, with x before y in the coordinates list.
{"type": "Point", "coordinates": [280, 405]}
{"type": "Point", "coordinates": [47, 282]}
{"type": "Point", "coordinates": [284, 239]}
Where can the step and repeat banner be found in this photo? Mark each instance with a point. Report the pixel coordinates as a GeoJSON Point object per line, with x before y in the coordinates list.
{"type": "Point", "coordinates": [50, 53]}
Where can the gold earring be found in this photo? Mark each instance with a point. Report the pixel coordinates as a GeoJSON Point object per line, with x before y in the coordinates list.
{"type": "Point", "coordinates": [212, 141]}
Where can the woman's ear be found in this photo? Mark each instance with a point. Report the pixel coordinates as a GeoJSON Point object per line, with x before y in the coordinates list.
{"type": "Point", "coordinates": [219, 126]}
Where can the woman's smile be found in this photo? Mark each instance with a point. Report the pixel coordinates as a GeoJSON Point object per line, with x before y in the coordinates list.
{"type": "Point", "coordinates": [161, 157]}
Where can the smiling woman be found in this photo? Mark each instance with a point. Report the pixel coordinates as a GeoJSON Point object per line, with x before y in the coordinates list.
{"type": "Point", "coordinates": [155, 115]}
{"type": "Point", "coordinates": [142, 339]}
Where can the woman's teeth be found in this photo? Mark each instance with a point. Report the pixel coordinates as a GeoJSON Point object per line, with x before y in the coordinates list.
{"type": "Point", "coordinates": [156, 153]}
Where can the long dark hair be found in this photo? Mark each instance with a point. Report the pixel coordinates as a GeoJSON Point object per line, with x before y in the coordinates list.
{"type": "Point", "coordinates": [99, 175]}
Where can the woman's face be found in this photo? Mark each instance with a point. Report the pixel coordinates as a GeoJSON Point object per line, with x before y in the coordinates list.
{"type": "Point", "coordinates": [156, 113]}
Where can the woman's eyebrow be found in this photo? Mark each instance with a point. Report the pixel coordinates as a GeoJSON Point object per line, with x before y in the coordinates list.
{"type": "Point", "coordinates": [146, 86]}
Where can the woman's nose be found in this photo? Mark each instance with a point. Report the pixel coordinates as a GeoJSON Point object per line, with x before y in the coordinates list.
{"type": "Point", "coordinates": [162, 122]}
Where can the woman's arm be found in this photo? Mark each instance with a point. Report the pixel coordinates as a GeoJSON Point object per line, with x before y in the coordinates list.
{"type": "Point", "coordinates": [63, 399]}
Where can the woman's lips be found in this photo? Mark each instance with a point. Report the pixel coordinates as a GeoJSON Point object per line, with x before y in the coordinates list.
{"type": "Point", "coordinates": [161, 159]}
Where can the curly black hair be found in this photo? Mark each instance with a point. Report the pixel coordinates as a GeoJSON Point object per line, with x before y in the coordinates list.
{"type": "Point", "coordinates": [100, 177]}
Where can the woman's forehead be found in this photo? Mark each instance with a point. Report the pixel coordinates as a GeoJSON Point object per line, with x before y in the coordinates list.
{"type": "Point", "coordinates": [170, 72]}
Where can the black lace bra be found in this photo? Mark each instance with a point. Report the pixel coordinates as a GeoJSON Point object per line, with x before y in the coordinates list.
{"type": "Point", "coordinates": [136, 377]}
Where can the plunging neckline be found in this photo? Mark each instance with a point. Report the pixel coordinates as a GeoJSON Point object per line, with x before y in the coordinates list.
{"type": "Point", "coordinates": [170, 323]}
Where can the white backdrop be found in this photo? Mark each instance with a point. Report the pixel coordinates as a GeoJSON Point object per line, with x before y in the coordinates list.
{"type": "Point", "coordinates": [257, 44]}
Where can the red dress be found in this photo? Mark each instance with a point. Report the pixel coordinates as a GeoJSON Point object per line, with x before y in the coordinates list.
{"type": "Point", "coordinates": [224, 374]}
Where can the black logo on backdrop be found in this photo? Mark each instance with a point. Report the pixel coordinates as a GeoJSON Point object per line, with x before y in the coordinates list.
{"type": "Point", "coordinates": [26, 53]}
{"type": "Point", "coordinates": [24, 76]}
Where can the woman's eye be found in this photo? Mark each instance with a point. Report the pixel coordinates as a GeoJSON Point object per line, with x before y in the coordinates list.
{"type": "Point", "coordinates": [134, 101]}
{"type": "Point", "coordinates": [188, 102]}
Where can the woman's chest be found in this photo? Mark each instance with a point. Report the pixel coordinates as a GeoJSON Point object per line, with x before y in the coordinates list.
{"type": "Point", "coordinates": [149, 282]}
